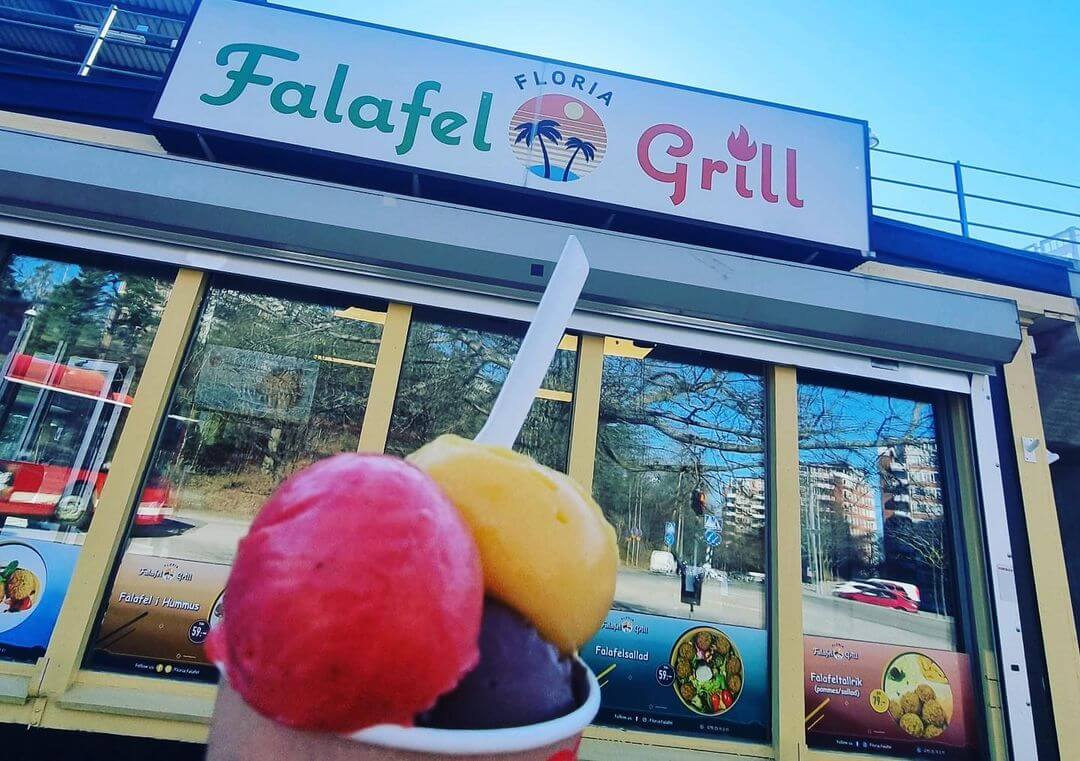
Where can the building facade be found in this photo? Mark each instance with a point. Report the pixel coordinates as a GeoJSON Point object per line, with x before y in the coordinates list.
{"type": "Point", "coordinates": [195, 304]}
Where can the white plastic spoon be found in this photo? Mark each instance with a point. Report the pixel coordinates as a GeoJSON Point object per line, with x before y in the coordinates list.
{"type": "Point", "coordinates": [537, 350]}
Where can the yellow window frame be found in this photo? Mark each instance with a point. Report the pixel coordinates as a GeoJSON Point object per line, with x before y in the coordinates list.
{"type": "Point", "coordinates": [57, 692]}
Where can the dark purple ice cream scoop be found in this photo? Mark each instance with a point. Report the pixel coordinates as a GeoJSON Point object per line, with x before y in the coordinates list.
{"type": "Point", "coordinates": [521, 679]}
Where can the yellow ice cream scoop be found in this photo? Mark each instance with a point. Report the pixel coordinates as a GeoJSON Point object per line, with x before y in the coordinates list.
{"type": "Point", "coordinates": [546, 548]}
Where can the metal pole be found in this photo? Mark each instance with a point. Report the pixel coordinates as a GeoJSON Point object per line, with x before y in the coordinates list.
{"type": "Point", "coordinates": [99, 40]}
{"type": "Point", "coordinates": [960, 200]}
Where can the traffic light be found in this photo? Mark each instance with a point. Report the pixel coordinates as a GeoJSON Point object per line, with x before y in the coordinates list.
{"type": "Point", "coordinates": [697, 502]}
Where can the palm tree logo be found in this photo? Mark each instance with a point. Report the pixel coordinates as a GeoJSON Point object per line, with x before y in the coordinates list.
{"type": "Point", "coordinates": [577, 145]}
{"type": "Point", "coordinates": [569, 133]}
{"type": "Point", "coordinates": [538, 130]}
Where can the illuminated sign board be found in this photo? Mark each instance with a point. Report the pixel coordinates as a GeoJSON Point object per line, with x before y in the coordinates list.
{"type": "Point", "coordinates": [342, 88]}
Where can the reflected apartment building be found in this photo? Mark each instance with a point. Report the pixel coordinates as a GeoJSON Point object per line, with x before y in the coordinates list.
{"type": "Point", "coordinates": [744, 508]}
{"type": "Point", "coordinates": [839, 519]}
{"type": "Point", "coordinates": [844, 491]}
{"type": "Point", "coordinates": [909, 481]}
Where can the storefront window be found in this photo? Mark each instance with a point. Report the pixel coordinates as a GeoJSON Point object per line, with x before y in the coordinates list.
{"type": "Point", "coordinates": [74, 339]}
{"type": "Point", "coordinates": [680, 474]}
{"type": "Point", "coordinates": [275, 379]}
{"type": "Point", "coordinates": [880, 609]}
{"type": "Point", "coordinates": [453, 369]}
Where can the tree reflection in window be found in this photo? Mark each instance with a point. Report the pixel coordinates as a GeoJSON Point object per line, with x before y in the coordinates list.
{"type": "Point", "coordinates": [68, 309]}
{"type": "Point", "coordinates": [673, 423]}
{"type": "Point", "coordinates": [873, 514]}
{"type": "Point", "coordinates": [275, 378]}
{"type": "Point", "coordinates": [273, 382]}
{"type": "Point", "coordinates": [453, 369]}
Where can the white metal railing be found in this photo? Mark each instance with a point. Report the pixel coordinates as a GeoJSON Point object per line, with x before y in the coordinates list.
{"type": "Point", "coordinates": [1012, 209]}
{"type": "Point", "coordinates": [94, 28]}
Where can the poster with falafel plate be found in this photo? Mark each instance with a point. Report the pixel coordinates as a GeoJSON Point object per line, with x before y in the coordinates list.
{"type": "Point", "coordinates": [661, 674]}
{"type": "Point", "coordinates": [34, 577]}
{"type": "Point", "coordinates": [889, 699]}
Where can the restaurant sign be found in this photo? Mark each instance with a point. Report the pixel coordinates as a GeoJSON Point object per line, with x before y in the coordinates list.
{"type": "Point", "coordinates": [343, 88]}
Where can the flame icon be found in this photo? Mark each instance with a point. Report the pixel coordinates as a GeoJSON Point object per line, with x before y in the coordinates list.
{"type": "Point", "coordinates": [740, 146]}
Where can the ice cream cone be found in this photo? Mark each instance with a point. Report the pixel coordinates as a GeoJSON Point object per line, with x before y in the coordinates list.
{"type": "Point", "coordinates": [240, 733]}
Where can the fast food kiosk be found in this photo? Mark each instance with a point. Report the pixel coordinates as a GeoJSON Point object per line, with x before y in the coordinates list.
{"type": "Point", "coordinates": [329, 236]}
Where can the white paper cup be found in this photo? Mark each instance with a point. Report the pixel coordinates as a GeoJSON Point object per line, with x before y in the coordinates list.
{"type": "Point", "coordinates": [239, 733]}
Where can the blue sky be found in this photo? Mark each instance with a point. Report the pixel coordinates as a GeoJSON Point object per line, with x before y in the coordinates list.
{"type": "Point", "coordinates": [989, 83]}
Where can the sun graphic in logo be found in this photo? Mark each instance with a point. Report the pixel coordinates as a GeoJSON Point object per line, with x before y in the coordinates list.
{"type": "Point", "coordinates": [558, 137]}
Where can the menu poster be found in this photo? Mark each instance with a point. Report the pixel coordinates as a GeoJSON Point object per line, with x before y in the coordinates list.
{"type": "Point", "coordinates": [159, 614]}
{"type": "Point", "coordinates": [34, 578]}
{"type": "Point", "coordinates": [661, 674]}
{"type": "Point", "coordinates": [888, 699]}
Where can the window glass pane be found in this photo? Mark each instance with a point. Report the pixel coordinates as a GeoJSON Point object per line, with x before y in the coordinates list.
{"type": "Point", "coordinates": [453, 369]}
{"type": "Point", "coordinates": [275, 379]}
{"type": "Point", "coordinates": [880, 607]}
{"type": "Point", "coordinates": [680, 473]}
{"type": "Point", "coordinates": [876, 549]}
{"type": "Point", "coordinates": [74, 339]}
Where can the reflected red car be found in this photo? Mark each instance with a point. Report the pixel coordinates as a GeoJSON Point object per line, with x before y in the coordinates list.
{"type": "Point", "coordinates": [874, 595]}
{"type": "Point", "coordinates": [46, 492]}
{"type": "Point", "coordinates": [60, 422]}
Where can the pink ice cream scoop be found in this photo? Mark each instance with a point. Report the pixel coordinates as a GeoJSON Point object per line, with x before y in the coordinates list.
{"type": "Point", "coordinates": [355, 599]}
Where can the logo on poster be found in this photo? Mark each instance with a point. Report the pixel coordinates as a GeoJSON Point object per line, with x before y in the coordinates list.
{"type": "Point", "coordinates": [625, 626]}
{"type": "Point", "coordinates": [169, 572]}
{"type": "Point", "coordinates": [837, 651]}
